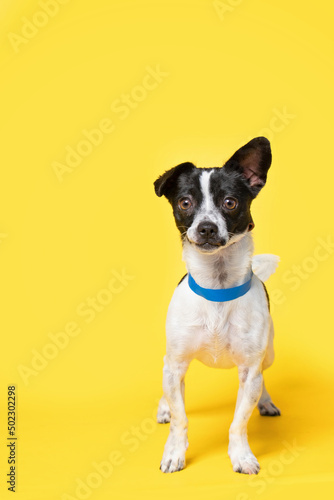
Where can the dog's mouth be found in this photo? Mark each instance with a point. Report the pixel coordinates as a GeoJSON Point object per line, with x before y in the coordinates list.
{"type": "Point", "coordinates": [208, 246]}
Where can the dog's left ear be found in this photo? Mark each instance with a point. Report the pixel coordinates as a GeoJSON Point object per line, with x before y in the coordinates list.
{"type": "Point", "coordinates": [253, 161]}
{"type": "Point", "coordinates": [164, 185]}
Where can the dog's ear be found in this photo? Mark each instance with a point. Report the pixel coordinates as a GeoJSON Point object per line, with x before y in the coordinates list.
{"type": "Point", "coordinates": [164, 185]}
{"type": "Point", "coordinates": [253, 161]}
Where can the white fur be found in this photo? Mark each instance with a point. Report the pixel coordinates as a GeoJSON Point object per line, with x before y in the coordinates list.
{"type": "Point", "coordinates": [221, 335]}
{"type": "Point", "coordinates": [265, 265]}
{"type": "Point", "coordinates": [207, 212]}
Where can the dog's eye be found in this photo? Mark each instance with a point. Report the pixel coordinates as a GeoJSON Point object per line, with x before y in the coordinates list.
{"type": "Point", "coordinates": [230, 203]}
{"type": "Point", "coordinates": [185, 203]}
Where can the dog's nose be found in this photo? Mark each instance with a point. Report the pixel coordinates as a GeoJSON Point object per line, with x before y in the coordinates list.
{"type": "Point", "coordinates": [207, 230]}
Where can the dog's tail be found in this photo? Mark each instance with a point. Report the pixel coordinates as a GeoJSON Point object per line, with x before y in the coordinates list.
{"type": "Point", "coordinates": [264, 265]}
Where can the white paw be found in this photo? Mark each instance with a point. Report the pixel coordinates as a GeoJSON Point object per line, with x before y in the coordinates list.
{"type": "Point", "coordinates": [163, 414]}
{"type": "Point", "coordinates": [268, 409]}
{"type": "Point", "coordinates": [173, 460]}
{"type": "Point", "coordinates": [244, 463]}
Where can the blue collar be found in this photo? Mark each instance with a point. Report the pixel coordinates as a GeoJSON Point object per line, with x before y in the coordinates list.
{"type": "Point", "coordinates": [220, 294]}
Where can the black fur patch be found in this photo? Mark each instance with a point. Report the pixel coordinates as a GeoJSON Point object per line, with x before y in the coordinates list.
{"type": "Point", "coordinates": [187, 185]}
{"type": "Point", "coordinates": [182, 279]}
{"type": "Point", "coordinates": [224, 183]}
{"type": "Point", "coordinates": [267, 295]}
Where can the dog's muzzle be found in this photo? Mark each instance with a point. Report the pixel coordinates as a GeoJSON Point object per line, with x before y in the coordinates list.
{"type": "Point", "coordinates": [207, 236]}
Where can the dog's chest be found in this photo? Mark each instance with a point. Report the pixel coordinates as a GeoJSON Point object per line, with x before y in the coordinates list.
{"type": "Point", "coordinates": [216, 335]}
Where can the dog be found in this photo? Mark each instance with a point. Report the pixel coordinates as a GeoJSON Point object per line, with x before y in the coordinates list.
{"type": "Point", "coordinates": [219, 312]}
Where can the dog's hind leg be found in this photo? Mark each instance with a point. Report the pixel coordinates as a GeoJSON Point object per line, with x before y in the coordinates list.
{"type": "Point", "coordinates": [265, 405]}
{"type": "Point", "coordinates": [163, 414]}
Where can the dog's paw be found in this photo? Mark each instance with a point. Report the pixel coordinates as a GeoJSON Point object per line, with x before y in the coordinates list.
{"type": "Point", "coordinates": [268, 409]}
{"type": "Point", "coordinates": [173, 460]}
{"type": "Point", "coordinates": [163, 414]}
{"type": "Point", "coordinates": [246, 464]}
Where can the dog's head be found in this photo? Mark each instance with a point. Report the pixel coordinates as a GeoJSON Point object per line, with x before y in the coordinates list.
{"type": "Point", "coordinates": [211, 206]}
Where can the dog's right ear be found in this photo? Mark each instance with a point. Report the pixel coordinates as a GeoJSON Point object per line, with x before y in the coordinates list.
{"type": "Point", "coordinates": [165, 184]}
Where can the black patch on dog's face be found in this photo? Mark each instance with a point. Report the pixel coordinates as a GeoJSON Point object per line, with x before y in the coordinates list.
{"type": "Point", "coordinates": [181, 182]}
{"type": "Point", "coordinates": [225, 185]}
{"type": "Point", "coordinates": [187, 186]}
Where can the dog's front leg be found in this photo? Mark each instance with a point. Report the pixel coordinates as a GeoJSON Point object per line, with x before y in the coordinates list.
{"type": "Point", "coordinates": [177, 443]}
{"type": "Point", "coordinates": [250, 387]}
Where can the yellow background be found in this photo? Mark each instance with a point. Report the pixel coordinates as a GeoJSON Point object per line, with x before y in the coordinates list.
{"type": "Point", "coordinates": [229, 70]}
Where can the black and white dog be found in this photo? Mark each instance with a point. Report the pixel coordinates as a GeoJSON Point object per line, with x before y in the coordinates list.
{"type": "Point", "coordinates": [219, 313]}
